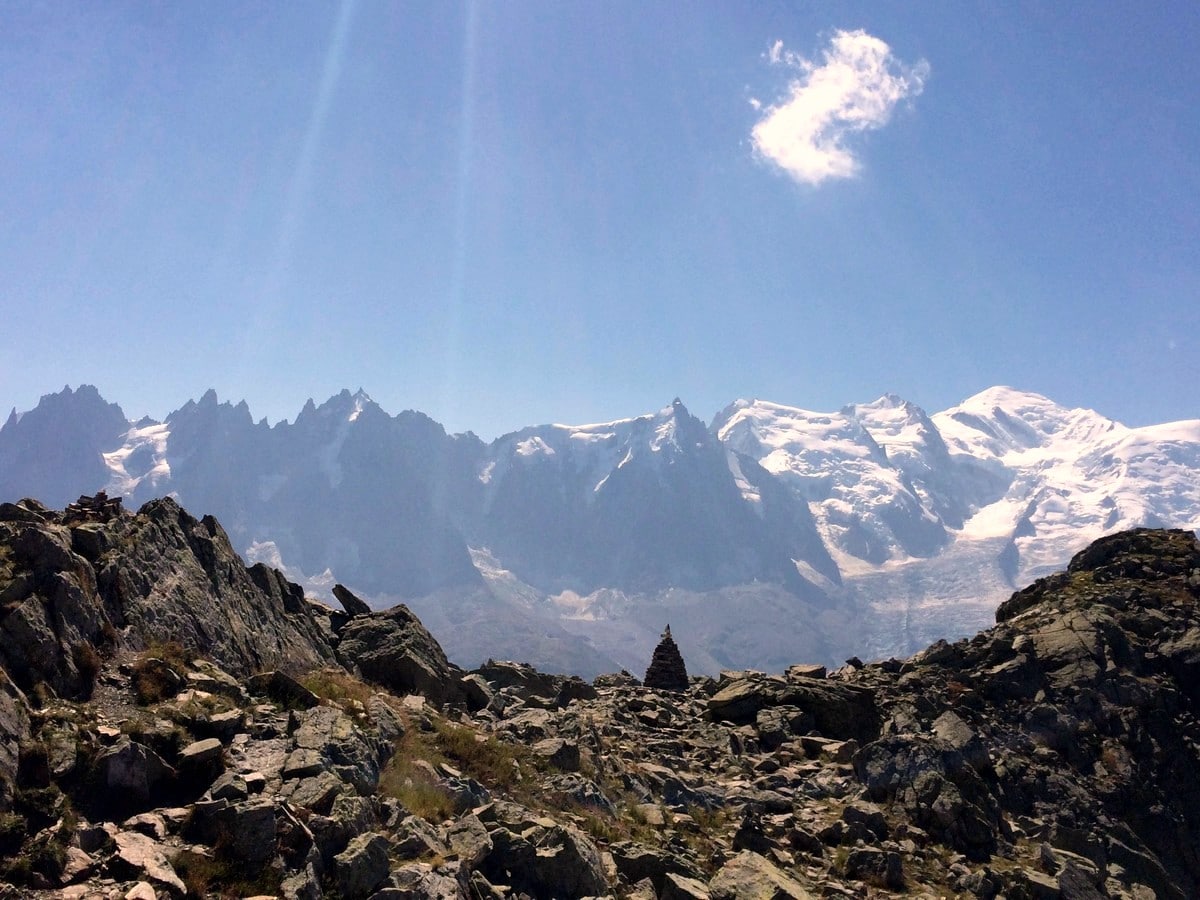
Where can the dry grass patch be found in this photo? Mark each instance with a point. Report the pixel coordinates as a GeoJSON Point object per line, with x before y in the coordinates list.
{"type": "Point", "coordinates": [411, 776]}
{"type": "Point", "coordinates": [338, 686]}
{"type": "Point", "coordinates": [160, 670]}
{"type": "Point", "coordinates": [217, 876]}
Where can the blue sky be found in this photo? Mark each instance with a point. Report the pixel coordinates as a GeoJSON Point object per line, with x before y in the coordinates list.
{"type": "Point", "coordinates": [513, 213]}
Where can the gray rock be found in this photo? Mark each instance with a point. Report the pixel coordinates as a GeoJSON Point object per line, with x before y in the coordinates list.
{"type": "Point", "coordinates": [636, 862]}
{"type": "Point", "coordinates": [303, 762]}
{"type": "Point", "coordinates": [682, 887]}
{"type": "Point", "coordinates": [749, 876]}
{"type": "Point", "coordinates": [229, 786]}
{"type": "Point", "coordinates": [344, 748]}
{"type": "Point", "coordinates": [415, 838]}
{"type": "Point", "coordinates": [838, 710]}
{"type": "Point", "coordinates": [316, 793]}
{"type": "Point", "coordinates": [545, 860]}
{"type": "Point", "coordinates": [182, 581]}
{"type": "Point", "coordinates": [469, 839]}
{"type": "Point", "coordinates": [576, 788]}
{"type": "Point", "coordinates": [395, 650]}
{"type": "Point", "coordinates": [387, 722]}
{"type": "Point", "coordinates": [950, 728]}
{"type": "Point", "coordinates": [200, 753]}
{"type": "Point", "coordinates": [574, 688]}
{"type": "Point", "coordinates": [419, 881]}
{"type": "Point", "coordinates": [150, 824]}
{"type": "Point", "coordinates": [14, 730]}
{"type": "Point", "coordinates": [353, 605]}
{"type": "Point", "coordinates": [476, 691]}
{"type": "Point", "coordinates": [283, 689]}
{"type": "Point", "coordinates": [131, 774]}
{"type": "Point", "coordinates": [525, 679]}
{"type": "Point", "coordinates": [559, 753]}
{"type": "Point", "coordinates": [879, 867]}
{"type": "Point", "coordinates": [251, 831]}
{"type": "Point", "coordinates": [362, 867]}
{"type": "Point", "coordinates": [207, 676]}
{"type": "Point", "coordinates": [867, 818]}
{"type": "Point", "coordinates": [137, 854]}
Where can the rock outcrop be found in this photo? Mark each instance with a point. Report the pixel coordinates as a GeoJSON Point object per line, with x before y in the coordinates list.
{"type": "Point", "coordinates": [1051, 756]}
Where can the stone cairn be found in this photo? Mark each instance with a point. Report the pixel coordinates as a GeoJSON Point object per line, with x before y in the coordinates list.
{"type": "Point", "coordinates": [100, 508]}
{"type": "Point", "coordinates": [667, 671]}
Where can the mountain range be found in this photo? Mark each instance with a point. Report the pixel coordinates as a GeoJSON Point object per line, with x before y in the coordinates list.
{"type": "Point", "coordinates": [770, 535]}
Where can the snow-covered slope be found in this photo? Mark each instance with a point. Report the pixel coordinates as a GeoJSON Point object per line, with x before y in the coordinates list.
{"type": "Point", "coordinates": [864, 507]}
{"type": "Point", "coordinates": [1074, 474]}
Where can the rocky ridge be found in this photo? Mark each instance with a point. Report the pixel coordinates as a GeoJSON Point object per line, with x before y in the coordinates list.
{"type": "Point", "coordinates": [225, 737]}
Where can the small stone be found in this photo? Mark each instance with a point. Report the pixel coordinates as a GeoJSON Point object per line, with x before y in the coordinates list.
{"type": "Point", "coordinates": [200, 753]}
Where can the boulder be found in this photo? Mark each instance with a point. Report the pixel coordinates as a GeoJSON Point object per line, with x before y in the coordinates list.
{"type": "Point", "coordinates": [283, 689]}
{"type": "Point", "coordinates": [14, 730]}
{"type": "Point", "coordinates": [545, 860]}
{"type": "Point", "coordinates": [329, 738]}
{"type": "Point", "coordinates": [395, 650]}
{"type": "Point", "coordinates": [362, 867]}
{"type": "Point", "coordinates": [350, 602]}
{"type": "Point", "coordinates": [838, 710]}
{"type": "Point", "coordinates": [250, 831]}
{"type": "Point", "coordinates": [635, 862]}
{"type": "Point", "coordinates": [749, 876]}
{"type": "Point", "coordinates": [875, 866]}
{"type": "Point", "coordinates": [138, 855]}
{"type": "Point", "coordinates": [130, 775]}
{"type": "Point", "coordinates": [470, 841]}
{"type": "Point", "coordinates": [420, 881]}
{"type": "Point", "coordinates": [527, 680]}
{"type": "Point", "coordinates": [682, 887]}
{"type": "Point", "coordinates": [559, 753]}
{"type": "Point", "coordinates": [476, 691]}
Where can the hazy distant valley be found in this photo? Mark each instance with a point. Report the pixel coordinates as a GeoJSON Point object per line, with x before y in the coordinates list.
{"type": "Point", "coordinates": [772, 535]}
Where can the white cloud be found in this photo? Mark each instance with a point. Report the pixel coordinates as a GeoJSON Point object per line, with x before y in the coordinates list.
{"type": "Point", "coordinates": [855, 88]}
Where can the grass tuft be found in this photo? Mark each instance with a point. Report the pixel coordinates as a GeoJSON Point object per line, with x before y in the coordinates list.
{"type": "Point", "coordinates": [160, 670]}
{"type": "Point", "coordinates": [88, 664]}
{"type": "Point", "coordinates": [338, 686]}
{"type": "Point", "coordinates": [219, 876]}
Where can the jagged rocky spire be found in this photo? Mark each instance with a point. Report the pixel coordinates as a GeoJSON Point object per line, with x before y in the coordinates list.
{"type": "Point", "coordinates": [667, 671]}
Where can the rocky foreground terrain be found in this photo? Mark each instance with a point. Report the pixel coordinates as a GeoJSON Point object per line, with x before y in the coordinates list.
{"type": "Point", "coordinates": [174, 723]}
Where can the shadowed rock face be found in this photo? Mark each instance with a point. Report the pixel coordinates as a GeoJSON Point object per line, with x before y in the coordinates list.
{"type": "Point", "coordinates": [393, 649]}
{"type": "Point", "coordinates": [136, 580]}
{"type": "Point", "coordinates": [1052, 755]}
{"type": "Point", "coordinates": [162, 576]}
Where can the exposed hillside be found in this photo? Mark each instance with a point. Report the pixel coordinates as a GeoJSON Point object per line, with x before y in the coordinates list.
{"type": "Point", "coordinates": [1050, 756]}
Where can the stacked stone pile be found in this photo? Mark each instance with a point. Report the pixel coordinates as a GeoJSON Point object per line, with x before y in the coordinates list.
{"type": "Point", "coordinates": [667, 671]}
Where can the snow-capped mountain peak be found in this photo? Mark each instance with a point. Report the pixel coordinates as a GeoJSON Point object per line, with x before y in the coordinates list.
{"type": "Point", "coordinates": [1002, 420]}
{"type": "Point", "coordinates": [864, 507]}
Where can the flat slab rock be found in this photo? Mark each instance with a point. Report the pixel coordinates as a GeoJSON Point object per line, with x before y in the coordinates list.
{"type": "Point", "coordinates": [143, 854]}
